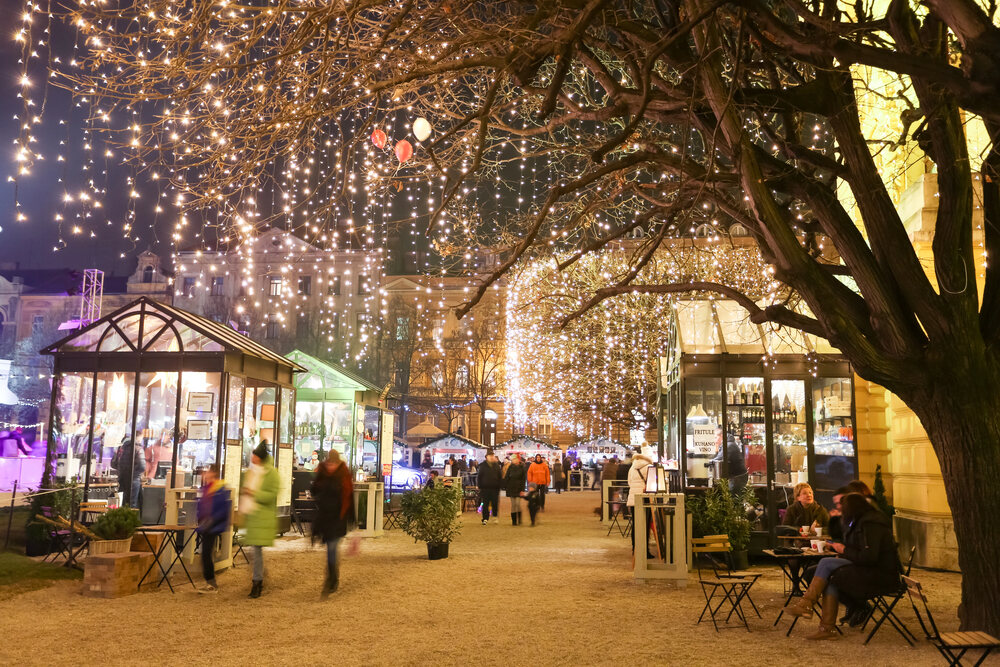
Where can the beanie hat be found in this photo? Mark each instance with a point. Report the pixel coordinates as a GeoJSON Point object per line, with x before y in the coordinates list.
{"type": "Point", "coordinates": [261, 450]}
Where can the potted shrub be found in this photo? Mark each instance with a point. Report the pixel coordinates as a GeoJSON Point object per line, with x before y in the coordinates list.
{"type": "Point", "coordinates": [431, 515]}
{"type": "Point", "coordinates": [720, 512]}
{"type": "Point", "coordinates": [115, 528]}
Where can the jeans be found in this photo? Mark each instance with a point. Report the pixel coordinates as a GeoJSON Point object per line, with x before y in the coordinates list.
{"type": "Point", "coordinates": [208, 542]}
{"type": "Point", "coordinates": [491, 499]}
{"type": "Point", "coordinates": [257, 557]}
{"type": "Point", "coordinates": [826, 568]}
{"type": "Point", "coordinates": [331, 556]}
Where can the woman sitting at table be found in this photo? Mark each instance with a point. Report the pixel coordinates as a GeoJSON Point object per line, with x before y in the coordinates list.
{"type": "Point", "coordinates": [805, 511]}
{"type": "Point", "coordinates": [867, 564]}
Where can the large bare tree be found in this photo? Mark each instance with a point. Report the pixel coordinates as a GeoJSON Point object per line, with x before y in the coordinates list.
{"type": "Point", "coordinates": [659, 114]}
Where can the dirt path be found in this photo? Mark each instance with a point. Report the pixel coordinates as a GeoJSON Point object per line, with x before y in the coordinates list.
{"type": "Point", "coordinates": [561, 593]}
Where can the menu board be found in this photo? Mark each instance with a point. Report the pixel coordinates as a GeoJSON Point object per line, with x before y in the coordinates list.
{"type": "Point", "coordinates": [704, 439]}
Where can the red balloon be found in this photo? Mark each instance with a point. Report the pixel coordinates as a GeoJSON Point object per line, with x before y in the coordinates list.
{"type": "Point", "coordinates": [379, 138]}
{"type": "Point", "coordinates": [404, 151]}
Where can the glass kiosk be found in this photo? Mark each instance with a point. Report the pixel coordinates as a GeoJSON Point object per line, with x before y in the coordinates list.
{"type": "Point", "coordinates": [782, 408]}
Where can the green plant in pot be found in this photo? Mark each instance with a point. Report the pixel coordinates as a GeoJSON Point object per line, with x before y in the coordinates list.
{"type": "Point", "coordinates": [117, 524]}
{"type": "Point", "coordinates": [722, 512]}
{"type": "Point", "coordinates": [431, 515]}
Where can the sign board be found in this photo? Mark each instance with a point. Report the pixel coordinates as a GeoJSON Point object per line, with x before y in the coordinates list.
{"type": "Point", "coordinates": [386, 469]}
{"type": "Point", "coordinates": [704, 439]}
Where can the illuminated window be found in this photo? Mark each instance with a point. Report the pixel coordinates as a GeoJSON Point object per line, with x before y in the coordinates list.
{"type": "Point", "coordinates": [274, 285]}
{"type": "Point", "coordinates": [333, 289]}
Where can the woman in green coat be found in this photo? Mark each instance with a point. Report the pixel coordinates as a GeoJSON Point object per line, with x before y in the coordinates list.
{"type": "Point", "coordinates": [258, 506]}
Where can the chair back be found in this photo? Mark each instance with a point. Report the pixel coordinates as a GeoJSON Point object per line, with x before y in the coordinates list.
{"type": "Point", "coordinates": [916, 592]}
{"type": "Point", "coordinates": [703, 547]}
{"type": "Point", "coordinates": [909, 561]}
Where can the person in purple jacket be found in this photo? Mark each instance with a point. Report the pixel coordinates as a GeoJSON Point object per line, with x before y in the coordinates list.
{"type": "Point", "coordinates": [215, 509]}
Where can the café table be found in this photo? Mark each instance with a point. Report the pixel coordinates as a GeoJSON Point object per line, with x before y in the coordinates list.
{"type": "Point", "coordinates": [794, 576]}
{"type": "Point", "coordinates": [173, 536]}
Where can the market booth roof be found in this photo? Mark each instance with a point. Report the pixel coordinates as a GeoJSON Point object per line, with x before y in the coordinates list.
{"type": "Point", "coordinates": [450, 440]}
{"type": "Point", "coordinates": [323, 375]}
{"type": "Point", "coordinates": [525, 443]}
{"type": "Point", "coordinates": [148, 335]}
{"type": "Point", "coordinates": [424, 429]}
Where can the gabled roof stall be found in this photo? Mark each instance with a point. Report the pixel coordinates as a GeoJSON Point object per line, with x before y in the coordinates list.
{"type": "Point", "coordinates": [338, 409]}
{"type": "Point", "coordinates": [188, 391]}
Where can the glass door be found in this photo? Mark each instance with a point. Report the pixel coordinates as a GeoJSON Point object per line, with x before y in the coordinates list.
{"type": "Point", "coordinates": [746, 431]}
{"type": "Point", "coordinates": [790, 456]}
{"type": "Point", "coordinates": [833, 436]}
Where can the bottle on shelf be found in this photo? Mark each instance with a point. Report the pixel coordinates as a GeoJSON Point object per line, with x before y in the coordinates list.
{"type": "Point", "coordinates": [729, 394]}
{"type": "Point", "coordinates": [743, 394]}
{"type": "Point", "coordinates": [794, 418]}
{"type": "Point", "coordinates": [756, 396]}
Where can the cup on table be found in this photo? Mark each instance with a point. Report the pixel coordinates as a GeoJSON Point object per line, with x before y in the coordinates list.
{"type": "Point", "coordinates": [817, 545]}
{"type": "Point", "coordinates": [819, 530]}
{"type": "Point", "coordinates": [804, 530]}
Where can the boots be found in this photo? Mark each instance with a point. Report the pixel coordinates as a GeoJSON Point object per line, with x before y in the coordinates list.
{"type": "Point", "coordinates": [513, 518]}
{"type": "Point", "coordinates": [256, 589]}
{"type": "Point", "coordinates": [827, 620]}
{"type": "Point", "coordinates": [519, 519]}
{"type": "Point", "coordinates": [331, 584]}
{"type": "Point", "coordinates": [803, 607]}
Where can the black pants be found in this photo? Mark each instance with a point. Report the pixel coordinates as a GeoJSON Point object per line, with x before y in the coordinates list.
{"type": "Point", "coordinates": [208, 541]}
{"type": "Point", "coordinates": [491, 499]}
{"type": "Point", "coordinates": [542, 492]}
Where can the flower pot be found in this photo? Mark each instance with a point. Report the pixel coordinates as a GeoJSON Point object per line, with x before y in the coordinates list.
{"type": "Point", "coordinates": [121, 546]}
{"type": "Point", "coordinates": [437, 551]}
{"type": "Point", "coordinates": [741, 560]}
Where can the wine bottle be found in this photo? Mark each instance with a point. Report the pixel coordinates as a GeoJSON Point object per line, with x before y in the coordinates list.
{"type": "Point", "coordinates": [729, 394]}
{"type": "Point", "coordinates": [756, 396]}
{"type": "Point", "coordinates": [795, 415]}
{"type": "Point", "coordinates": [743, 393]}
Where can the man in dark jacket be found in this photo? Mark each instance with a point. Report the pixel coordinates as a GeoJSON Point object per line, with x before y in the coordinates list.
{"type": "Point", "coordinates": [129, 462]}
{"type": "Point", "coordinates": [489, 486]}
{"type": "Point", "coordinates": [215, 508]}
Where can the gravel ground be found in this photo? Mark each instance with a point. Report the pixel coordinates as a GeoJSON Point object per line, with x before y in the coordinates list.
{"type": "Point", "coordinates": [561, 593]}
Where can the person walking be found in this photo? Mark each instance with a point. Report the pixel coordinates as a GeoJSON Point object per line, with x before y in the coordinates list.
{"type": "Point", "coordinates": [215, 507]}
{"type": "Point", "coordinates": [558, 476]}
{"type": "Point", "coordinates": [515, 476]}
{"type": "Point", "coordinates": [333, 492]}
{"type": "Point", "coordinates": [258, 507]}
{"type": "Point", "coordinates": [488, 481]}
{"type": "Point", "coordinates": [538, 474]}
{"type": "Point", "coordinates": [637, 484]}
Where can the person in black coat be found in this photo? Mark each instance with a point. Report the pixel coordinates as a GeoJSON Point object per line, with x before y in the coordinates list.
{"type": "Point", "coordinates": [867, 565]}
{"type": "Point", "coordinates": [489, 480]}
{"type": "Point", "coordinates": [515, 476]}
{"type": "Point", "coordinates": [129, 462]}
{"type": "Point", "coordinates": [333, 492]}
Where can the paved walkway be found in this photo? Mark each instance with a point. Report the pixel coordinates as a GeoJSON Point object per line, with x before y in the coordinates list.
{"type": "Point", "coordinates": [561, 593]}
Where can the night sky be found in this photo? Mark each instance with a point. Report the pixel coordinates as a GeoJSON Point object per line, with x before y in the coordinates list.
{"type": "Point", "coordinates": [41, 194]}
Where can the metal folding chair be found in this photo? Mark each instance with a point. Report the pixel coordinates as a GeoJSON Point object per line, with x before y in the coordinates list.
{"type": "Point", "coordinates": [883, 609]}
{"type": "Point", "coordinates": [952, 645]}
{"type": "Point", "coordinates": [721, 592]}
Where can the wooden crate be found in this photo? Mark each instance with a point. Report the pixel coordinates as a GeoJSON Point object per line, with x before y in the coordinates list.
{"type": "Point", "coordinates": [117, 575]}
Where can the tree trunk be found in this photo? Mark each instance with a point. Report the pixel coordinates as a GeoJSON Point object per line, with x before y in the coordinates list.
{"type": "Point", "coordinates": [962, 420]}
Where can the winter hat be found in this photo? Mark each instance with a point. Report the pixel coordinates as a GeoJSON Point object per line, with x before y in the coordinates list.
{"type": "Point", "coordinates": [261, 450]}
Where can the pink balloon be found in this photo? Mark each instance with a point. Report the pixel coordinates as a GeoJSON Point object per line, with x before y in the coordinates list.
{"type": "Point", "coordinates": [404, 151]}
{"type": "Point", "coordinates": [379, 138]}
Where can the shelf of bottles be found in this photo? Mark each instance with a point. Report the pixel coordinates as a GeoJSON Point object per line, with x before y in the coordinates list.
{"type": "Point", "coordinates": [746, 420]}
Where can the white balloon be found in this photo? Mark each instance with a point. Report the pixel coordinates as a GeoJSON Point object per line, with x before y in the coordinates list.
{"type": "Point", "coordinates": [421, 129]}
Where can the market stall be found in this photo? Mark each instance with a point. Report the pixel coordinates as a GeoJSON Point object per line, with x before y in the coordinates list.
{"type": "Point", "coordinates": [337, 409]}
{"type": "Point", "coordinates": [187, 391]}
{"type": "Point", "coordinates": [528, 447]}
{"type": "Point", "coordinates": [595, 450]}
{"type": "Point", "coordinates": [779, 403]}
{"type": "Point", "coordinates": [445, 446]}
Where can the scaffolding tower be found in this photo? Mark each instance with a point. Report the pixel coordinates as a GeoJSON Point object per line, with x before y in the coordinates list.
{"type": "Point", "coordinates": [93, 294]}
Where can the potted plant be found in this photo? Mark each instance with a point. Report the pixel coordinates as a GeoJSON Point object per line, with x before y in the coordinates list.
{"type": "Point", "coordinates": [115, 528]}
{"type": "Point", "coordinates": [60, 502]}
{"type": "Point", "coordinates": [431, 515]}
{"type": "Point", "coordinates": [720, 512]}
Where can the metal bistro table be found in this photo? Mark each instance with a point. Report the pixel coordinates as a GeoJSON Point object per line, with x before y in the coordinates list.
{"type": "Point", "coordinates": [806, 558]}
{"type": "Point", "coordinates": [174, 537]}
